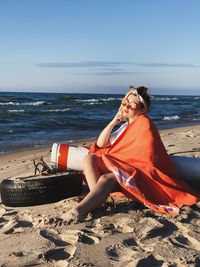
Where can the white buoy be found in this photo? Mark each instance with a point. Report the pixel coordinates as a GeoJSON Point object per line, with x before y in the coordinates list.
{"type": "Point", "coordinates": [187, 168]}
{"type": "Point", "coordinates": [68, 157]}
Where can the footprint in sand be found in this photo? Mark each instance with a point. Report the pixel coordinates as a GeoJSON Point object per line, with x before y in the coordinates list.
{"type": "Point", "coordinates": [130, 255]}
{"type": "Point", "coordinates": [121, 225]}
{"type": "Point", "coordinates": [65, 243]}
{"type": "Point", "coordinates": [119, 252]}
{"type": "Point", "coordinates": [61, 250]}
{"type": "Point", "coordinates": [185, 239]}
{"type": "Point", "coordinates": [60, 255]}
{"type": "Point", "coordinates": [150, 261]}
{"type": "Point", "coordinates": [183, 242]}
{"type": "Point", "coordinates": [130, 242]}
{"type": "Point", "coordinates": [151, 232]}
{"type": "Point", "coordinates": [175, 250]}
{"type": "Point", "coordinates": [145, 228]}
{"type": "Point", "coordinates": [83, 236]}
{"type": "Point", "coordinates": [166, 229]}
{"type": "Point", "coordinates": [54, 237]}
{"type": "Point", "coordinates": [178, 247]}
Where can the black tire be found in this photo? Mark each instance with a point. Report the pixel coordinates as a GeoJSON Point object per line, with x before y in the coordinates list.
{"type": "Point", "coordinates": [30, 191]}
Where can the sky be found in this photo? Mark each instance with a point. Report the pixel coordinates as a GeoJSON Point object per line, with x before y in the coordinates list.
{"type": "Point", "coordinates": [100, 46]}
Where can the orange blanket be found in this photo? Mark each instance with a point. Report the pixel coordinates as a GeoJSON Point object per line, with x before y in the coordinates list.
{"type": "Point", "coordinates": [144, 170]}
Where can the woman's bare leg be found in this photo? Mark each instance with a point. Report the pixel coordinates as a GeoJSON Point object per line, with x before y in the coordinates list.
{"type": "Point", "coordinates": [91, 169]}
{"type": "Point", "coordinates": [106, 184]}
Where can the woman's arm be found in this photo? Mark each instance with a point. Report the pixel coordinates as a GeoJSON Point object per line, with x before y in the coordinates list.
{"type": "Point", "coordinates": [103, 139]}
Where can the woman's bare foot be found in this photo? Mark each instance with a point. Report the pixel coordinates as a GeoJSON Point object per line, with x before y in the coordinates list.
{"type": "Point", "coordinates": [71, 216]}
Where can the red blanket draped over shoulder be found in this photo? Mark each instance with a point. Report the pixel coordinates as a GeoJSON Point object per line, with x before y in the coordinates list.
{"type": "Point", "coordinates": [144, 169]}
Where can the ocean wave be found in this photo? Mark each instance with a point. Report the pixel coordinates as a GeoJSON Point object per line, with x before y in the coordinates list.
{"type": "Point", "coordinates": [111, 99]}
{"type": "Point", "coordinates": [56, 110]}
{"type": "Point", "coordinates": [15, 110]}
{"type": "Point", "coordinates": [9, 103]}
{"type": "Point", "coordinates": [87, 100]}
{"type": "Point", "coordinates": [37, 103]}
{"type": "Point", "coordinates": [93, 103]}
{"type": "Point", "coordinates": [164, 98]}
{"type": "Point", "coordinates": [171, 118]}
{"type": "Point", "coordinates": [94, 100]}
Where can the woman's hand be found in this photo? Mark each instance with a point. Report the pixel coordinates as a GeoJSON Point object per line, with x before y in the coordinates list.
{"type": "Point", "coordinates": [117, 118]}
{"type": "Point", "coordinates": [103, 139]}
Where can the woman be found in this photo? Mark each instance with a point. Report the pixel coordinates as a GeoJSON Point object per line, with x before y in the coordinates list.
{"type": "Point", "coordinates": [134, 160]}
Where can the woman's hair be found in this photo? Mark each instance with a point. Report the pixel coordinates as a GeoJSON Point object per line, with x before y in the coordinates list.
{"type": "Point", "coordinates": [143, 92]}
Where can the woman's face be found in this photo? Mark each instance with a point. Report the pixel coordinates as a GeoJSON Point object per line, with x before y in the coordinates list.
{"type": "Point", "coordinates": [131, 105]}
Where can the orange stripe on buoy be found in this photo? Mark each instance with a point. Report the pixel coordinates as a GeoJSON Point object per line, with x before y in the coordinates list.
{"type": "Point", "coordinates": [63, 155]}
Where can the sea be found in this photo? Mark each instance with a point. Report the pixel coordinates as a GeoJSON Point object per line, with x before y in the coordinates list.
{"type": "Point", "coordinates": [31, 120]}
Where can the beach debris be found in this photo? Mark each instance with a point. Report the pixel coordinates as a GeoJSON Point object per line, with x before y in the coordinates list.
{"type": "Point", "coordinates": [42, 167]}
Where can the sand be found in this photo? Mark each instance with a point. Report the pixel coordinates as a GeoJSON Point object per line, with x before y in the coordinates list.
{"type": "Point", "coordinates": [124, 234]}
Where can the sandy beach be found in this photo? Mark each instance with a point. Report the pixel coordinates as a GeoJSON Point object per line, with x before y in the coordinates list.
{"type": "Point", "coordinates": [124, 234]}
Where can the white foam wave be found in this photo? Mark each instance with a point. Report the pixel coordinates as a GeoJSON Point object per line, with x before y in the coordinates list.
{"type": "Point", "coordinates": [164, 98]}
{"type": "Point", "coordinates": [94, 103]}
{"type": "Point", "coordinates": [87, 100]}
{"type": "Point", "coordinates": [9, 104]}
{"type": "Point", "coordinates": [94, 100]}
{"type": "Point", "coordinates": [56, 110]}
{"type": "Point", "coordinates": [37, 103]}
{"type": "Point", "coordinates": [110, 99]}
{"type": "Point", "coordinates": [15, 110]}
{"type": "Point", "coordinates": [171, 118]}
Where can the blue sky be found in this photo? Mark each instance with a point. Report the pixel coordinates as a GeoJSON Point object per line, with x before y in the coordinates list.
{"type": "Point", "coordinates": [100, 45]}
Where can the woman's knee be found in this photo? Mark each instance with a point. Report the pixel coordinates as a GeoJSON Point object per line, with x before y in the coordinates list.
{"type": "Point", "coordinates": [89, 159]}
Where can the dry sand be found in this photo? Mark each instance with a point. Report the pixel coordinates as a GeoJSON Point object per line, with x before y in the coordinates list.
{"type": "Point", "coordinates": [125, 234]}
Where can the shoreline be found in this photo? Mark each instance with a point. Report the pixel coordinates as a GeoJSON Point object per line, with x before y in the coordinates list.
{"type": "Point", "coordinates": [88, 140]}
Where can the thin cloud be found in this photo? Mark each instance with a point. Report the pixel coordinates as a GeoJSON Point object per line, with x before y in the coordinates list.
{"type": "Point", "coordinates": [161, 65]}
{"type": "Point", "coordinates": [109, 73]}
{"type": "Point", "coordinates": [82, 64]}
{"type": "Point", "coordinates": [112, 64]}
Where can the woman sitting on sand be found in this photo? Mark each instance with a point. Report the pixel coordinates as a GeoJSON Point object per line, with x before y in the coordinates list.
{"type": "Point", "coordinates": [133, 160]}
